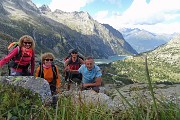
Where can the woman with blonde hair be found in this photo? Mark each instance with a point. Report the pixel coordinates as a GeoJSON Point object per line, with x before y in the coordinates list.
{"type": "Point", "coordinates": [49, 72]}
{"type": "Point", "coordinates": [21, 57]}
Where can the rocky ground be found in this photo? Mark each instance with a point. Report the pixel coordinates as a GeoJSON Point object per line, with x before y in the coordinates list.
{"type": "Point", "coordinates": [110, 95]}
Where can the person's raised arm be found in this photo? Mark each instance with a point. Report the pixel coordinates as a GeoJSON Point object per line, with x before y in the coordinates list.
{"type": "Point", "coordinates": [6, 59]}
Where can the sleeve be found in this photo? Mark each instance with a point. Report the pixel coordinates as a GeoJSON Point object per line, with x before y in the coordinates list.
{"type": "Point", "coordinates": [80, 70]}
{"type": "Point", "coordinates": [6, 59]}
{"type": "Point", "coordinates": [32, 63]}
{"type": "Point", "coordinates": [98, 72]}
{"type": "Point", "coordinates": [37, 72]}
{"type": "Point", "coordinates": [58, 80]}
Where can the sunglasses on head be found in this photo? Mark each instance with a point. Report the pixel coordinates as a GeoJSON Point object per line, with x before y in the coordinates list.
{"type": "Point", "coordinates": [74, 52]}
{"type": "Point", "coordinates": [27, 42]}
{"type": "Point", "coordinates": [48, 59]}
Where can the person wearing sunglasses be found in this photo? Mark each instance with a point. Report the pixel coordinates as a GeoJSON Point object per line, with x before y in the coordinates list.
{"type": "Point", "coordinates": [21, 57]}
{"type": "Point", "coordinates": [49, 72]}
{"type": "Point", "coordinates": [73, 63]}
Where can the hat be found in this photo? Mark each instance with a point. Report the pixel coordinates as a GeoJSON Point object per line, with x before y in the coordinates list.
{"type": "Point", "coordinates": [73, 50]}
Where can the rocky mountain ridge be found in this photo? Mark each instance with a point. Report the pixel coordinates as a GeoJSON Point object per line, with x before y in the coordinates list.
{"type": "Point", "coordinates": [60, 31]}
{"type": "Point", "coordinates": [169, 52]}
{"type": "Point", "coordinates": [142, 40]}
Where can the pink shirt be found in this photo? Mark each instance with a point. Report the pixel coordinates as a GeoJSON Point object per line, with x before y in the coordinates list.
{"type": "Point", "coordinates": [23, 60]}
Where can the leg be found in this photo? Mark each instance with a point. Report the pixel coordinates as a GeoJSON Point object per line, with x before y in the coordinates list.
{"type": "Point", "coordinates": [53, 92]}
{"type": "Point", "coordinates": [67, 79]}
{"type": "Point", "coordinates": [77, 78]}
{"type": "Point", "coordinates": [52, 88]}
{"type": "Point", "coordinates": [25, 72]}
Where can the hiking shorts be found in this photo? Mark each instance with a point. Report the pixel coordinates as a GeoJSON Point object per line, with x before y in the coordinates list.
{"type": "Point", "coordinates": [23, 73]}
{"type": "Point", "coordinates": [73, 77]}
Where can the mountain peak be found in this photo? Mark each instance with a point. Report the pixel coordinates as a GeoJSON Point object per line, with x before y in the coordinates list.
{"type": "Point", "coordinates": [44, 8]}
{"type": "Point", "coordinates": [15, 6]}
{"type": "Point", "coordinates": [75, 14]}
{"type": "Point", "coordinates": [60, 31]}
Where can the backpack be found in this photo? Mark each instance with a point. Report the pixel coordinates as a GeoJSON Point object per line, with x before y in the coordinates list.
{"type": "Point", "coordinates": [41, 73]}
{"type": "Point", "coordinates": [11, 63]}
{"type": "Point", "coordinates": [12, 46]}
{"type": "Point", "coordinates": [74, 65]}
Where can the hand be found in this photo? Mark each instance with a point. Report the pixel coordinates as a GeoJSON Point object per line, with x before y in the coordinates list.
{"type": "Point", "coordinates": [84, 85]}
{"type": "Point", "coordinates": [58, 90]}
{"type": "Point", "coordinates": [67, 68]}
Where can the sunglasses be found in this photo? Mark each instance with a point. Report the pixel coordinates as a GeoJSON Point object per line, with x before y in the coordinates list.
{"type": "Point", "coordinates": [48, 59]}
{"type": "Point", "coordinates": [74, 52]}
{"type": "Point", "coordinates": [28, 43]}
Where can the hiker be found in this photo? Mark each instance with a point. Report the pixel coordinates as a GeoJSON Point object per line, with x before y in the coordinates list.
{"type": "Point", "coordinates": [49, 72]}
{"type": "Point", "coordinates": [91, 75]}
{"type": "Point", "coordinates": [73, 63]}
{"type": "Point", "coordinates": [21, 57]}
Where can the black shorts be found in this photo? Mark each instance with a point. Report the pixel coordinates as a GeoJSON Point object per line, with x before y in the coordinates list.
{"type": "Point", "coordinates": [73, 77]}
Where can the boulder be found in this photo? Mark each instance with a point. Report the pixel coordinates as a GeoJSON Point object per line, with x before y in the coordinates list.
{"type": "Point", "coordinates": [36, 85]}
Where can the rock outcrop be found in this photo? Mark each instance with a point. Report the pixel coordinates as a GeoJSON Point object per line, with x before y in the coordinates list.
{"type": "Point", "coordinates": [108, 98]}
{"type": "Point", "coordinates": [36, 85]}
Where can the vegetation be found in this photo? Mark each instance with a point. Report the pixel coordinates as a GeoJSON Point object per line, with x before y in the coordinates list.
{"type": "Point", "coordinates": [18, 103]}
{"type": "Point", "coordinates": [133, 69]}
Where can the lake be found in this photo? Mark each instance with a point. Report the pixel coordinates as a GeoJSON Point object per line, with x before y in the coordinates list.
{"type": "Point", "coordinates": [110, 59]}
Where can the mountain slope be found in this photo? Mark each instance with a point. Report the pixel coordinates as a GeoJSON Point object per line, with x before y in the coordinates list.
{"type": "Point", "coordinates": [163, 65]}
{"type": "Point", "coordinates": [59, 31]}
{"type": "Point", "coordinates": [142, 40]}
{"type": "Point", "coordinates": [169, 52]}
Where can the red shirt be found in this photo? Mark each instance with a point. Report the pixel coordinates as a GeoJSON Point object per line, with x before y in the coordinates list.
{"type": "Point", "coordinates": [27, 59]}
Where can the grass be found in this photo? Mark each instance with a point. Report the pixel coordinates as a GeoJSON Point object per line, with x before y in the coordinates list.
{"type": "Point", "coordinates": [18, 103]}
{"type": "Point", "coordinates": [25, 105]}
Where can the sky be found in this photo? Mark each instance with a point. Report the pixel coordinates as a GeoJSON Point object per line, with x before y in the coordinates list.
{"type": "Point", "coordinates": [157, 16]}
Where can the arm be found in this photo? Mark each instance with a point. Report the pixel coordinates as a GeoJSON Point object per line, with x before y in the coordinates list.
{"type": "Point", "coordinates": [6, 59]}
{"type": "Point", "coordinates": [32, 63]}
{"type": "Point", "coordinates": [66, 67]}
{"type": "Point", "coordinates": [97, 83]}
{"type": "Point", "coordinates": [81, 61]}
{"type": "Point", "coordinates": [66, 63]}
{"type": "Point", "coordinates": [58, 84]}
{"type": "Point", "coordinates": [37, 71]}
{"type": "Point", "coordinates": [58, 81]}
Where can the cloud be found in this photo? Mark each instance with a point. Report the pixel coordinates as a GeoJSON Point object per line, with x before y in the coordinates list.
{"type": "Point", "coordinates": [157, 15]}
{"type": "Point", "coordinates": [101, 14]}
{"type": "Point", "coordinates": [68, 5]}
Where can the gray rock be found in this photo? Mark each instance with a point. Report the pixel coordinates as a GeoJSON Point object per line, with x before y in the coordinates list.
{"type": "Point", "coordinates": [36, 85]}
{"type": "Point", "coordinates": [135, 92]}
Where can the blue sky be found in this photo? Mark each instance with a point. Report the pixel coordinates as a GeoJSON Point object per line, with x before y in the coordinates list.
{"type": "Point", "coordinates": [157, 16]}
